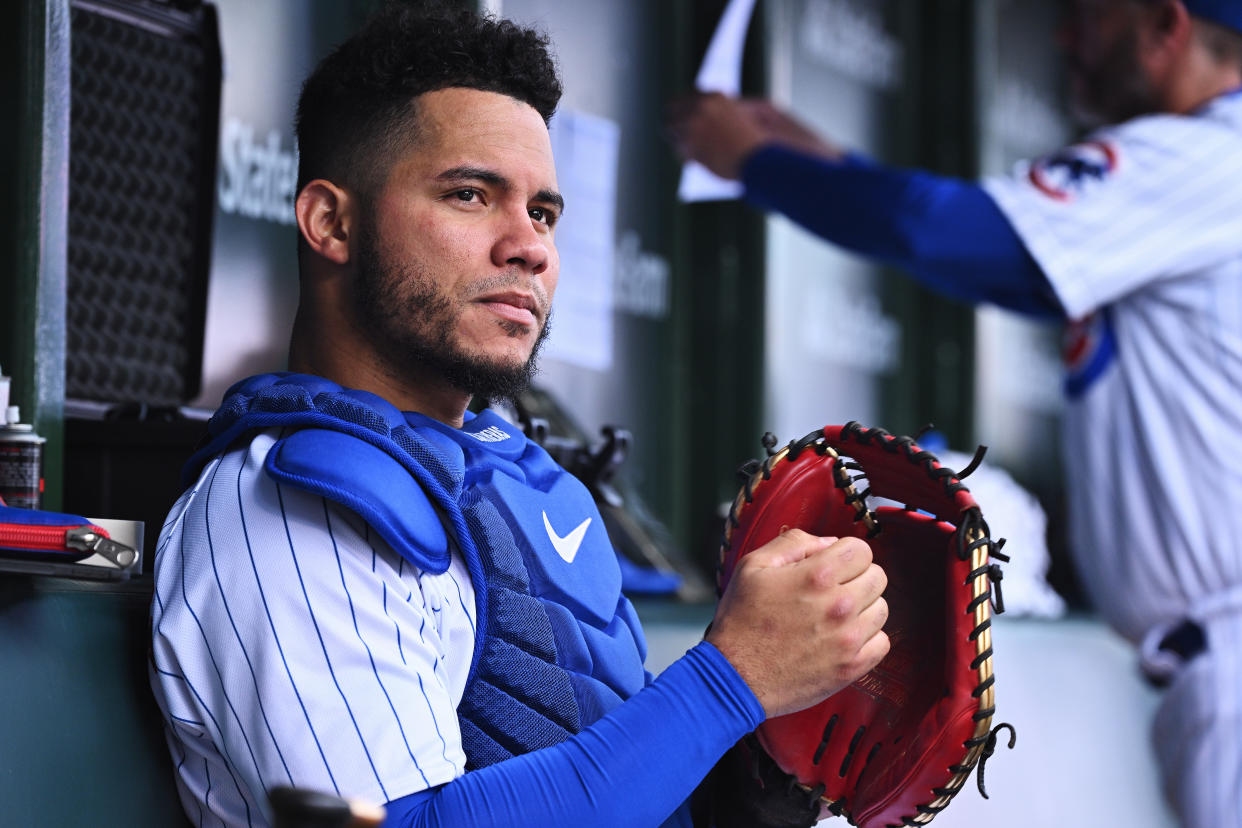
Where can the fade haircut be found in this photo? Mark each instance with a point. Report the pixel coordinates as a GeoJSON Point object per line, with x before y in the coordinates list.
{"type": "Point", "coordinates": [1222, 43]}
{"type": "Point", "coordinates": [357, 109]}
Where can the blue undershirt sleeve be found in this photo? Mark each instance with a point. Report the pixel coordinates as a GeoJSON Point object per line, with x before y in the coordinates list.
{"type": "Point", "coordinates": [947, 233]}
{"type": "Point", "coordinates": [634, 767]}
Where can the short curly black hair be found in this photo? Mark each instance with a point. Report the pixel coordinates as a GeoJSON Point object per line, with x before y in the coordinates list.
{"type": "Point", "coordinates": [357, 108]}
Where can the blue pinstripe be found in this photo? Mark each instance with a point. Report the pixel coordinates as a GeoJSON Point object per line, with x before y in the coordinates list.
{"type": "Point", "coordinates": [434, 721]}
{"type": "Point", "coordinates": [384, 595]}
{"type": "Point", "coordinates": [186, 682]}
{"type": "Point", "coordinates": [370, 657]}
{"type": "Point", "coordinates": [319, 634]}
{"type": "Point", "coordinates": [395, 626]}
{"type": "Point", "coordinates": [461, 602]}
{"type": "Point", "coordinates": [202, 702]}
{"type": "Point", "coordinates": [207, 793]}
{"type": "Point", "coordinates": [206, 641]}
{"type": "Point", "coordinates": [202, 557]}
{"type": "Point", "coordinates": [279, 647]}
{"type": "Point", "coordinates": [439, 666]}
{"type": "Point", "coordinates": [168, 538]}
{"type": "Point", "coordinates": [224, 601]}
{"type": "Point", "coordinates": [180, 759]}
{"type": "Point", "coordinates": [168, 523]}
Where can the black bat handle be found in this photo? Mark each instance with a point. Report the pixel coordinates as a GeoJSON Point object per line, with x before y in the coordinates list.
{"type": "Point", "coordinates": [302, 808]}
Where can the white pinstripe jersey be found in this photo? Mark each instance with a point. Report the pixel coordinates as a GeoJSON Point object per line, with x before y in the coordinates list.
{"type": "Point", "coordinates": [286, 630]}
{"type": "Point", "coordinates": [1139, 231]}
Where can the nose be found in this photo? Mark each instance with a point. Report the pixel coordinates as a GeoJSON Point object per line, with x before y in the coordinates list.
{"type": "Point", "coordinates": [522, 242]}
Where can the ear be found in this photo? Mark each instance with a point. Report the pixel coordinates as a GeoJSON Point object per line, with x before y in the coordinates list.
{"type": "Point", "coordinates": [1164, 39]}
{"type": "Point", "coordinates": [1169, 25]}
{"type": "Point", "coordinates": [325, 215]}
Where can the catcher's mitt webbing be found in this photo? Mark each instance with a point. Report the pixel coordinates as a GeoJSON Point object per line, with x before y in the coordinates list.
{"type": "Point", "coordinates": [896, 745]}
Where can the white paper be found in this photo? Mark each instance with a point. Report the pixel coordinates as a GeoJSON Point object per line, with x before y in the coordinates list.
{"type": "Point", "coordinates": [586, 149]}
{"type": "Point", "coordinates": [721, 71]}
{"type": "Point", "coordinates": [722, 65]}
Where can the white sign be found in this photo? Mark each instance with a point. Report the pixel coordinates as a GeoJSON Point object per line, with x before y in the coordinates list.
{"type": "Point", "coordinates": [585, 148]}
{"type": "Point", "coordinates": [721, 72]}
{"type": "Point", "coordinates": [642, 283]}
{"type": "Point", "coordinates": [257, 178]}
{"type": "Point", "coordinates": [850, 38]}
{"type": "Point", "coordinates": [846, 324]}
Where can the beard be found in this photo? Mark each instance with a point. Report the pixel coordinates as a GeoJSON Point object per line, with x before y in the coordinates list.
{"type": "Point", "coordinates": [1114, 88]}
{"type": "Point", "coordinates": [413, 324]}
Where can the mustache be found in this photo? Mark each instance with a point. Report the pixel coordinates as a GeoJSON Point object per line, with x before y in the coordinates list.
{"type": "Point", "coordinates": [514, 280]}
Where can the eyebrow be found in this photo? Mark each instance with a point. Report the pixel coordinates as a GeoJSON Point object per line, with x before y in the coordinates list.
{"type": "Point", "coordinates": [496, 179]}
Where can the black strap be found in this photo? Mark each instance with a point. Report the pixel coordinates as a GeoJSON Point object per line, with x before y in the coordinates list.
{"type": "Point", "coordinates": [1187, 639]}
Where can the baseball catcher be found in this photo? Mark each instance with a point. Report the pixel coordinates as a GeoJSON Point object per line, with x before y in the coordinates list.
{"type": "Point", "coordinates": [893, 748]}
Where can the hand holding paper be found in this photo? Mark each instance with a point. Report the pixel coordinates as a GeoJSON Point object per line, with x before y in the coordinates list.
{"type": "Point", "coordinates": [716, 131]}
{"type": "Point", "coordinates": [721, 71]}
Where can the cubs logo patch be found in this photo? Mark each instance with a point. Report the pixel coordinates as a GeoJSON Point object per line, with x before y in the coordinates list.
{"type": "Point", "coordinates": [1088, 348]}
{"type": "Point", "coordinates": [1068, 171]}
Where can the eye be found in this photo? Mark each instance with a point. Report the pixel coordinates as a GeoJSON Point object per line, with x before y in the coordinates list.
{"type": "Point", "coordinates": [543, 215]}
{"type": "Point", "coordinates": [467, 194]}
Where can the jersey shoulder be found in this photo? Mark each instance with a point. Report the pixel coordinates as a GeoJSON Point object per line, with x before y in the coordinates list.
{"type": "Point", "coordinates": [369, 481]}
{"type": "Point", "coordinates": [1143, 157]}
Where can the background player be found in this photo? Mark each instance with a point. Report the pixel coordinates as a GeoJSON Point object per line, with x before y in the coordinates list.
{"type": "Point", "coordinates": [368, 590]}
{"type": "Point", "coordinates": [1135, 236]}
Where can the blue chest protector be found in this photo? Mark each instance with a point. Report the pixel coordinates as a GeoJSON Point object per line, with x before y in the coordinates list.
{"type": "Point", "coordinates": [556, 645]}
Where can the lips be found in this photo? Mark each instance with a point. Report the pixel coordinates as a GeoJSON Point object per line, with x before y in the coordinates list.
{"type": "Point", "coordinates": [512, 306]}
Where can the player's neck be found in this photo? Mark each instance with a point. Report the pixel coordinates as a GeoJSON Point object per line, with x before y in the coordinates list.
{"type": "Point", "coordinates": [351, 362]}
{"type": "Point", "coordinates": [1200, 79]}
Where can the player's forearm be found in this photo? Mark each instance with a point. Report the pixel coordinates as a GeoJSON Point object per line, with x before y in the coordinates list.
{"type": "Point", "coordinates": [633, 767]}
{"type": "Point", "coordinates": [947, 233]}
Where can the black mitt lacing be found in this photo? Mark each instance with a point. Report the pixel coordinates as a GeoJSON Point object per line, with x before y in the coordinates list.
{"type": "Point", "coordinates": [989, 747]}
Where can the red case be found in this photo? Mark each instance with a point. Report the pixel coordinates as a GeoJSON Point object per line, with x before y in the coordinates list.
{"type": "Point", "coordinates": [34, 536]}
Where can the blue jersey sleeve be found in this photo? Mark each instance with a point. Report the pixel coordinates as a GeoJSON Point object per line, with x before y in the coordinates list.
{"type": "Point", "coordinates": [635, 766]}
{"type": "Point", "coordinates": [947, 233]}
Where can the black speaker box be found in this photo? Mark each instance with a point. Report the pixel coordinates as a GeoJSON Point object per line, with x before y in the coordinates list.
{"type": "Point", "coordinates": [144, 126]}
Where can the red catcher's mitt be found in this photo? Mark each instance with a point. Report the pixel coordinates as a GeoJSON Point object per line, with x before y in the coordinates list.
{"type": "Point", "coordinates": [894, 747]}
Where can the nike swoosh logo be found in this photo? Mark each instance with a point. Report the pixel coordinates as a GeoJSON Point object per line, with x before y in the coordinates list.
{"type": "Point", "coordinates": [566, 547]}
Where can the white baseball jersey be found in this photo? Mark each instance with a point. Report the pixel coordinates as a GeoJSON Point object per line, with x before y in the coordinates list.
{"type": "Point", "coordinates": [277, 576]}
{"type": "Point", "coordinates": [1139, 231]}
